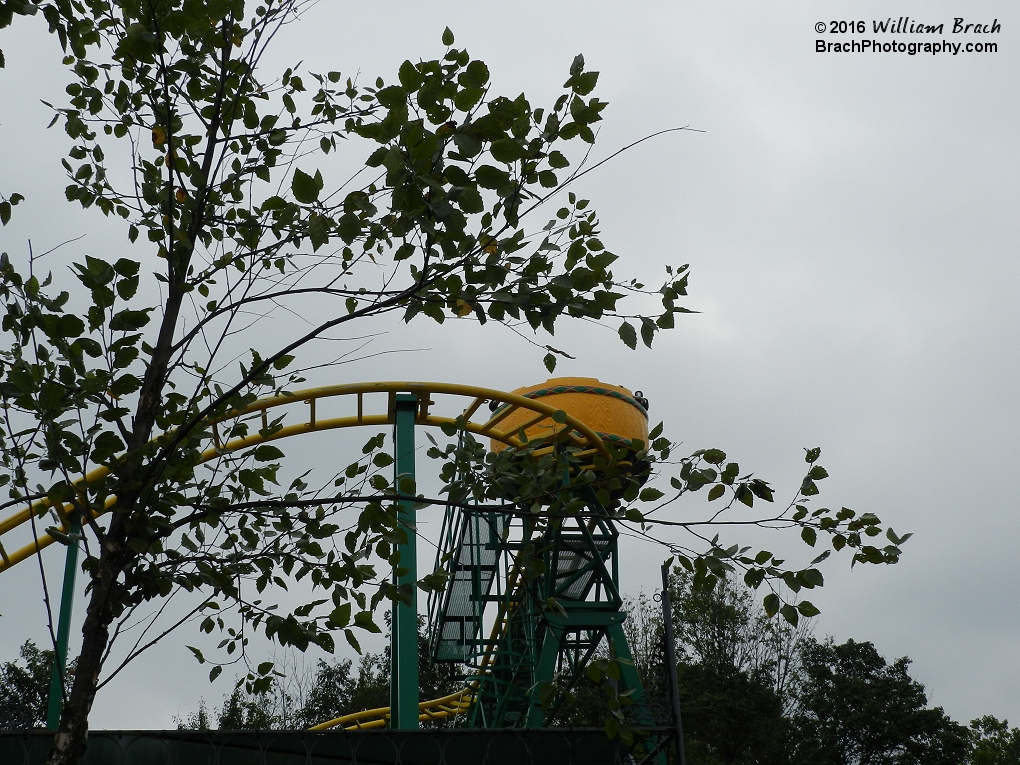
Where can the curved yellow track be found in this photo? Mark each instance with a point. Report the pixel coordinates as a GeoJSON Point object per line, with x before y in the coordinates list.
{"type": "Point", "coordinates": [436, 709]}
{"type": "Point", "coordinates": [304, 403]}
{"type": "Point", "coordinates": [563, 425]}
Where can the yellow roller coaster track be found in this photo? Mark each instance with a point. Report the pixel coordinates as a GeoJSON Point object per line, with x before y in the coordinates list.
{"type": "Point", "coordinates": [434, 709]}
{"type": "Point", "coordinates": [437, 709]}
{"type": "Point", "coordinates": [563, 426]}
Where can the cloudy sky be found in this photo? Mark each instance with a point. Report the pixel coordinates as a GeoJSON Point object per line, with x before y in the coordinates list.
{"type": "Point", "coordinates": [851, 225]}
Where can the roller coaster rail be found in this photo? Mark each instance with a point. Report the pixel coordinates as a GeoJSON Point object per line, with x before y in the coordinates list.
{"type": "Point", "coordinates": [531, 646]}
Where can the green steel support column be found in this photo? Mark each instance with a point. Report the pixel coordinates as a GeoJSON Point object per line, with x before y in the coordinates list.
{"type": "Point", "coordinates": [628, 673]}
{"type": "Point", "coordinates": [631, 682]}
{"type": "Point", "coordinates": [63, 626]}
{"type": "Point", "coordinates": [543, 674]}
{"type": "Point", "coordinates": [404, 628]}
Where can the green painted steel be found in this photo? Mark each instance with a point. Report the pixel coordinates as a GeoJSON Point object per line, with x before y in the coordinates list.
{"type": "Point", "coordinates": [364, 747]}
{"type": "Point", "coordinates": [548, 627]}
{"type": "Point", "coordinates": [404, 628]}
{"type": "Point", "coordinates": [64, 625]}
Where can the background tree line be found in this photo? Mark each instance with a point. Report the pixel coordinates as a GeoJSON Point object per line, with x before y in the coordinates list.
{"type": "Point", "coordinates": [754, 691]}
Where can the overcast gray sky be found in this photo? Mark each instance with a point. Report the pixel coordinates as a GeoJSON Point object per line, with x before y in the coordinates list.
{"type": "Point", "coordinates": [851, 225]}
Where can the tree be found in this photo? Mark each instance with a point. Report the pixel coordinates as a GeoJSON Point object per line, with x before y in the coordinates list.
{"type": "Point", "coordinates": [25, 690]}
{"type": "Point", "coordinates": [219, 173]}
{"type": "Point", "coordinates": [737, 672]}
{"type": "Point", "coordinates": [337, 691]}
{"type": "Point", "coordinates": [994, 742]}
{"type": "Point", "coordinates": [856, 709]}
{"type": "Point", "coordinates": [198, 720]}
{"type": "Point", "coordinates": [454, 170]}
{"type": "Point", "coordinates": [300, 700]}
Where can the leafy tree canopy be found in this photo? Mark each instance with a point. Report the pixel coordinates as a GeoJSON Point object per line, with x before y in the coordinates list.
{"type": "Point", "coordinates": [25, 688]}
{"type": "Point", "coordinates": [114, 377]}
{"type": "Point", "coordinates": [994, 742]}
{"type": "Point", "coordinates": [857, 709]}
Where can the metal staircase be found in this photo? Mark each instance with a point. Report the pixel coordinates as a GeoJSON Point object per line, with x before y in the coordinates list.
{"type": "Point", "coordinates": [547, 589]}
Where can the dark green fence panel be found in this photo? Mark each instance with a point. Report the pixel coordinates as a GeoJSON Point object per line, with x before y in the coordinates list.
{"type": "Point", "coordinates": [568, 746]}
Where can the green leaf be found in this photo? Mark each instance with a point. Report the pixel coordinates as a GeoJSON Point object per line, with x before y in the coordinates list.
{"type": "Point", "coordinates": [714, 456]}
{"type": "Point", "coordinates": [215, 672]}
{"type": "Point", "coordinates": [761, 489]}
{"type": "Point", "coordinates": [266, 452]}
{"type": "Point", "coordinates": [808, 488]}
{"type": "Point", "coordinates": [470, 201]}
{"type": "Point", "coordinates": [550, 361]}
{"type": "Point", "coordinates": [557, 160]}
{"type": "Point", "coordinates": [650, 495]}
{"type": "Point", "coordinates": [771, 604]}
{"type": "Point", "coordinates": [811, 577]}
{"type": "Point", "coordinates": [127, 287]}
{"type": "Point", "coordinates": [349, 227]}
{"type": "Point", "coordinates": [129, 321]}
{"type": "Point", "coordinates": [790, 614]}
{"type": "Point", "coordinates": [807, 608]}
{"type": "Point", "coordinates": [585, 83]}
{"type": "Point", "coordinates": [490, 177]}
{"type": "Point", "coordinates": [265, 668]}
{"type": "Point", "coordinates": [808, 535]}
{"type": "Point", "coordinates": [325, 642]}
{"type": "Point", "coordinates": [612, 727]}
{"type": "Point", "coordinates": [409, 76]}
{"type": "Point", "coordinates": [304, 186]}
{"type": "Point", "coordinates": [467, 98]}
{"type": "Point", "coordinates": [447, 37]}
{"type": "Point", "coordinates": [818, 473]}
{"type": "Point", "coordinates": [124, 385]}
{"type": "Point", "coordinates": [340, 617]}
{"type": "Point", "coordinates": [363, 619]}
{"type": "Point", "coordinates": [628, 335]}
{"type": "Point", "coordinates": [353, 641]}
{"type": "Point", "coordinates": [717, 491]}
{"type": "Point", "coordinates": [468, 145]}
{"type": "Point", "coordinates": [506, 150]}
{"type": "Point", "coordinates": [548, 179]}
{"type": "Point", "coordinates": [812, 454]}
{"type": "Point", "coordinates": [476, 75]}
{"type": "Point", "coordinates": [392, 97]}
{"type": "Point", "coordinates": [70, 325]}
{"type": "Point", "coordinates": [318, 230]}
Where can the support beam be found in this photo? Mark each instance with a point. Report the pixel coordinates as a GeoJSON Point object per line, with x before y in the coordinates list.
{"type": "Point", "coordinates": [404, 627]}
{"type": "Point", "coordinates": [543, 676]}
{"type": "Point", "coordinates": [64, 625]}
{"type": "Point", "coordinates": [671, 667]}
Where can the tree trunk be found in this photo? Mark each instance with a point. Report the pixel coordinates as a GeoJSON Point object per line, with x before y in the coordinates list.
{"type": "Point", "coordinates": [72, 735]}
{"type": "Point", "coordinates": [114, 557]}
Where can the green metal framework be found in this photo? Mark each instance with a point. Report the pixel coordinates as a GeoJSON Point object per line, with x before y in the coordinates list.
{"type": "Point", "coordinates": [528, 639]}
{"type": "Point", "coordinates": [524, 639]}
